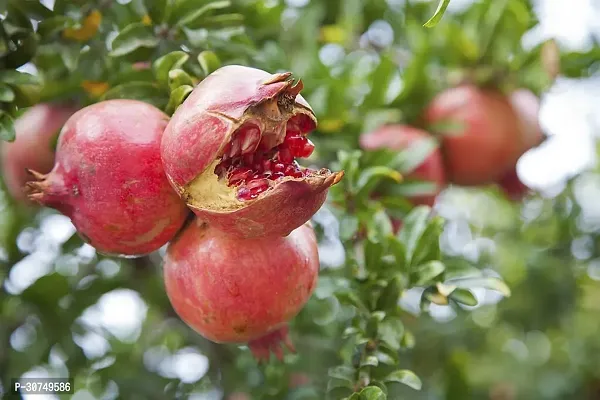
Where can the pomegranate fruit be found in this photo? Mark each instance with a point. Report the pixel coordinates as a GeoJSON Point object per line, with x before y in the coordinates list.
{"type": "Point", "coordinates": [108, 178]}
{"type": "Point", "coordinates": [234, 290]}
{"type": "Point", "coordinates": [230, 151]}
{"type": "Point", "coordinates": [33, 147]}
{"type": "Point", "coordinates": [487, 141]}
{"type": "Point", "coordinates": [403, 137]}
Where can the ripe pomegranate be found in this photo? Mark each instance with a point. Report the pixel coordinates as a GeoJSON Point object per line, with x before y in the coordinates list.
{"type": "Point", "coordinates": [229, 151]}
{"type": "Point", "coordinates": [109, 180]}
{"type": "Point", "coordinates": [527, 107]}
{"type": "Point", "coordinates": [403, 137]}
{"type": "Point", "coordinates": [512, 186]}
{"type": "Point", "coordinates": [488, 141]}
{"type": "Point", "coordinates": [234, 290]}
{"type": "Point", "coordinates": [33, 147]}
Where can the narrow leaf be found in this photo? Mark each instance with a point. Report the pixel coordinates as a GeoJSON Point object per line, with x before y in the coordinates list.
{"type": "Point", "coordinates": [370, 177]}
{"type": "Point", "coordinates": [209, 62]}
{"type": "Point", "coordinates": [439, 13]}
{"type": "Point", "coordinates": [13, 77]}
{"type": "Point", "coordinates": [487, 283]}
{"type": "Point", "coordinates": [464, 296]}
{"type": "Point", "coordinates": [372, 393]}
{"type": "Point", "coordinates": [192, 18]}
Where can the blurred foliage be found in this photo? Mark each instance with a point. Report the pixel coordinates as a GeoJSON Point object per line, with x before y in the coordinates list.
{"type": "Point", "coordinates": [363, 63]}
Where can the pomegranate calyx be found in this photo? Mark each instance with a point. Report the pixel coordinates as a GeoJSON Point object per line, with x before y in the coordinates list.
{"type": "Point", "coordinates": [262, 347]}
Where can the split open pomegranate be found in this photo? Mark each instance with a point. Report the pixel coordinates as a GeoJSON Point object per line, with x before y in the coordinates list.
{"type": "Point", "coordinates": [230, 151]}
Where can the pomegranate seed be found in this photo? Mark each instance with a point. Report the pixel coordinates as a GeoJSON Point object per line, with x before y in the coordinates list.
{"type": "Point", "coordinates": [257, 186]}
{"type": "Point", "coordinates": [255, 176]}
{"type": "Point", "coordinates": [277, 175]}
{"type": "Point", "coordinates": [267, 174]}
{"type": "Point", "coordinates": [297, 174]}
{"type": "Point", "coordinates": [285, 156]}
{"type": "Point", "coordinates": [295, 144]}
{"type": "Point", "coordinates": [244, 194]}
{"type": "Point", "coordinates": [239, 175]}
{"type": "Point", "coordinates": [226, 151]}
{"type": "Point", "coordinates": [289, 170]}
{"type": "Point", "coordinates": [278, 167]}
{"type": "Point", "coordinates": [306, 150]}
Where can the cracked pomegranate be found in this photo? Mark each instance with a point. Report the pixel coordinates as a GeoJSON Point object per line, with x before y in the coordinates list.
{"type": "Point", "coordinates": [482, 139]}
{"type": "Point", "coordinates": [403, 137]}
{"type": "Point", "coordinates": [33, 147]}
{"type": "Point", "coordinates": [230, 152]}
{"type": "Point", "coordinates": [234, 290]}
{"type": "Point", "coordinates": [109, 180]}
{"type": "Point", "coordinates": [527, 106]}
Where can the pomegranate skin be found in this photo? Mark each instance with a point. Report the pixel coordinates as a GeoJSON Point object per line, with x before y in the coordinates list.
{"type": "Point", "coordinates": [238, 291]}
{"type": "Point", "coordinates": [402, 137]}
{"type": "Point", "coordinates": [489, 142]}
{"type": "Point", "coordinates": [197, 137]}
{"type": "Point", "coordinates": [33, 148]}
{"type": "Point", "coordinates": [109, 180]}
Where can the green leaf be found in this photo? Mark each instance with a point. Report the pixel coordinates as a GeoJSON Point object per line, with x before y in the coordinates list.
{"type": "Point", "coordinates": [388, 299]}
{"type": "Point", "coordinates": [6, 93]}
{"type": "Point", "coordinates": [413, 157]}
{"type": "Point", "coordinates": [193, 19]}
{"type": "Point", "coordinates": [371, 176]}
{"type": "Point", "coordinates": [131, 38]}
{"type": "Point", "coordinates": [7, 127]}
{"type": "Point", "coordinates": [70, 56]}
{"type": "Point", "coordinates": [327, 311]}
{"type": "Point", "coordinates": [13, 77]}
{"type": "Point", "coordinates": [53, 25]}
{"type": "Point", "coordinates": [399, 252]}
{"type": "Point", "coordinates": [166, 63]}
{"type": "Point", "coordinates": [386, 356]}
{"type": "Point", "coordinates": [405, 377]}
{"type": "Point", "coordinates": [349, 297]}
{"type": "Point", "coordinates": [33, 9]}
{"type": "Point", "coordinates": [379, 226]}
{"type": "Point", "coordinates": [338, 383]}
{"type": "Point", "coordinates": [487, 283]}
{"type": "Point", "coordinates": [157, 10]}
{"type": "Point", "coordinates": [177, 97]}
{"type": "Point", "coordinates": [439, 13]}
{"type": "Point", "coordinates": [209, 62]}
{"type": "Point", "coordinates": [428, 246]}
{"type": "Point", "coordinates": [372, 393]}
{"type": "Point", "coordinates": [373, 253]}
{"type": "Point", "coordinates": [370, 361]}
{"type": "Point", "coordinates": [413, 227]}
{"type": "Point", "coordinates": [464, 296]}
{"type": "Point", "coordinates": [144, 91]}
{"type": "Point", "coordinates": [424, 274]}
{"type": "Point", "coordinates": [342, 372]}
{"type": "Point", "coordinates": [178, 77]}
{"type": "Point", "coordinates": [390, 332]}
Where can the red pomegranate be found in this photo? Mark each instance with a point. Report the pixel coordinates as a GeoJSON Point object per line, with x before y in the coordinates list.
{"type": "Point", "coordinates": [485, 141]}
{"type": "Point", "coordinates": [108, 178]}
{"type": "Point", "coordinates": [403, 137]}
{"type": "Point", "coordinates": [233, 290]}
{"type": "Point", "coordinates": [33, 147]}
{"type": "Point", "coordinates": [230, 151]}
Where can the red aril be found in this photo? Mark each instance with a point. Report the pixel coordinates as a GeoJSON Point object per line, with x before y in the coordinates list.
{"type": "Point", "coordinates": [109, 180]}
{"type": "Point", "coordinates": [241, 118]}
{"type": "Point", "coordinates": [33, 147]}
{"type": "Point", "coordinates": [233, 290]}
{"type": "Point", "coordinates": [403, 137]}
{"type": "Point", "coordinates": [480, 133]}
